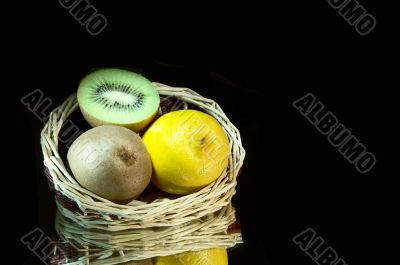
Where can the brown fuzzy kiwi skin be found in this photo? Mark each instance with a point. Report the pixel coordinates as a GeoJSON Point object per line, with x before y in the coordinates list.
{"type": "Point", "coordinates": [136, 127]}
{"type": "Point", "coordinates": [111, 161]}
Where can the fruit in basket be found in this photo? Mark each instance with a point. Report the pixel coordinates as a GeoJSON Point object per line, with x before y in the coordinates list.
{"type": "Point", "coordinates": [118, 97]}
{"type": "Point", "coordinates": [215, 256]}
{"type": "Point", "coordinates": [110, 161]}
{"type": "Point", "coordinates": [188, 148]}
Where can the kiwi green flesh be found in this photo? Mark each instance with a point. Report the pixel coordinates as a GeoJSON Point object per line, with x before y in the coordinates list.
{"type": "Point", "coordinates": [134, 126]}
{"type": "Point", "coordinates": [115, 96]}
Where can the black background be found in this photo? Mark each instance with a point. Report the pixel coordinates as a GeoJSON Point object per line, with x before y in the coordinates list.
{"type": "Point", "coordinates": [254, 60]}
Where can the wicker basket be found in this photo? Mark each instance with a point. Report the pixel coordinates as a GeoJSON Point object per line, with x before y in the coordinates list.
{"type": "Point", "coordinates": [146, 229]}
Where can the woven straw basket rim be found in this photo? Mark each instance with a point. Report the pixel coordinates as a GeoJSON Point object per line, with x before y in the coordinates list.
{"type": "Point", "coordinates": [136, 214]}
{"type": "Point", "coordinates": [110, 233]}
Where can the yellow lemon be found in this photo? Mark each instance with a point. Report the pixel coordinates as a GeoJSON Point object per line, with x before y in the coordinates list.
{"type": "Point", "coordinates": [189, 150]}
{"type": "Point", "coordinates": [215, 256]}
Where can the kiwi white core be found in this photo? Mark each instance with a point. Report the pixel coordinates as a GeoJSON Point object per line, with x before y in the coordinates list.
{"type": "Point", "coordinates": [118, 96]}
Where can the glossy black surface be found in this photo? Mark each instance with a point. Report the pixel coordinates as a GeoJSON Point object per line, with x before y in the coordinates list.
{"type": "Point", "coordinates": [254, 61]}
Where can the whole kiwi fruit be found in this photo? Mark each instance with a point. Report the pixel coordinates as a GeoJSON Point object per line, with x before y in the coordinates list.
{"type": "Point", "coordinates": [111, 161]}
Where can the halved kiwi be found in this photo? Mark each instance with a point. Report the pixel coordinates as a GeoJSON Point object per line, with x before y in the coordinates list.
{"type": "Point", "coordinates": [118, 97]}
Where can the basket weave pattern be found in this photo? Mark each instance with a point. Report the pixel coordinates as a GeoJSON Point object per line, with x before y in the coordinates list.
{"type": "Point", "coordinates": [200, 219]}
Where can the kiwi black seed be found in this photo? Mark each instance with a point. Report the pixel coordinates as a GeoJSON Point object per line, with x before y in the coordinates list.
{"type": "Point", "coordinates": [118, 97]}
